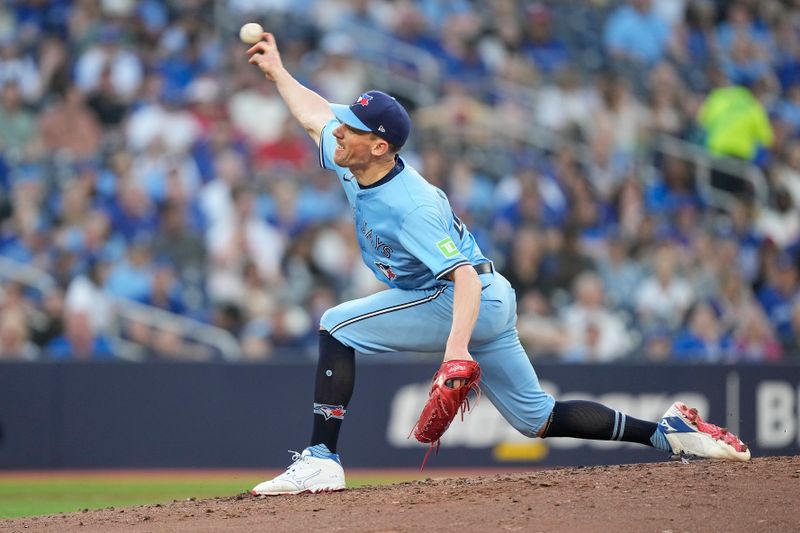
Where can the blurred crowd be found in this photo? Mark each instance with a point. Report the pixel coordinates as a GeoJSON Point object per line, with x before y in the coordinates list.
{"type": "Point", "coordinates": [142, 159]}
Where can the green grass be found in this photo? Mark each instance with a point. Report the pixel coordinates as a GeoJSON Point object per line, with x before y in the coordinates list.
{"type": "Point", "coordinates": [42, 494]}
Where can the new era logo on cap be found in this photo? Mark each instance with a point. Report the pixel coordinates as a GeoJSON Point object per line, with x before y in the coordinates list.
{"type": "Point", "coordinates": [379, 113]}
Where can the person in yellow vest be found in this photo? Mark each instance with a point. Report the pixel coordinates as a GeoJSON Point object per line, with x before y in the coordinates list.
{"type": "Point", "coordinates": [736, 126]}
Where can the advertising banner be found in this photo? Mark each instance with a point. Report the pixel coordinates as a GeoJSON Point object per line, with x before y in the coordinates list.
{"type": "Point", "coordinates": [243, 416]}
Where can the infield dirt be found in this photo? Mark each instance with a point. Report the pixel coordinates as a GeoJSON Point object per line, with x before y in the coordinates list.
{"type": "Point", "coordinates": [702, 496]}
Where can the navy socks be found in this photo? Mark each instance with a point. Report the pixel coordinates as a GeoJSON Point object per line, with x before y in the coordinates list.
{"type": "Point", "coordinates": [590, 420]}
{"type": "Point", "coordinates": [336, 374]}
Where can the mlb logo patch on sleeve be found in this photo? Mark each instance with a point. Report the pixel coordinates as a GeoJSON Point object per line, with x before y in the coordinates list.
{"type": "Point", "coordinates": [447, 247]}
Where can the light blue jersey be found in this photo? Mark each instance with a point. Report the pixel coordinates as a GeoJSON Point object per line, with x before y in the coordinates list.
{"type": "Point", "coordinates": [411, 239]}
{"type": "Point", "coordinates": [407, 231]}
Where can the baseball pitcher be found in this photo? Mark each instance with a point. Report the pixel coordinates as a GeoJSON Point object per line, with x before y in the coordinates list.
{"type": "Point", "coordinates": [444, 296]}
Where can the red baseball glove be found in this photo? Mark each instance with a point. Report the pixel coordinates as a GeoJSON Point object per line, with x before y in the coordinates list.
{"type": "Point", "coordinates": [444, 401]}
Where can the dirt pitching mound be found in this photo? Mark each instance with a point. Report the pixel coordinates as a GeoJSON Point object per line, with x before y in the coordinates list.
{"type": "Point", "coordinates": [664, 497]}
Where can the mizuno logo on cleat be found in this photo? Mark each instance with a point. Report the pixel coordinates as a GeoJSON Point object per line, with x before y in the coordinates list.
{"type": "Point", "coordinates": [675, 424]}
{"type": "Point", "coordinates": [666, 427]}
{"type": "Point", "coordinates": [300, 481]}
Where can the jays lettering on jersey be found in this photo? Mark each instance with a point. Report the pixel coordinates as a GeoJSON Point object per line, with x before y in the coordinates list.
{"type": "Point", "coordinates": [408, 234]}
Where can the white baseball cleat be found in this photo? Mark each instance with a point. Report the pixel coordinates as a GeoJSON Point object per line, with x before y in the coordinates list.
{"type": "Point", "coordinates": [308, 473]}
{"type": "Point", "coordinates": [688, 434]}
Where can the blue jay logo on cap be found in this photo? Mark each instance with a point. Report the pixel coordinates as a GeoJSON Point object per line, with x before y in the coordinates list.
{"type": "Point", "coordinates": [376, 112]}
{"type": "Point", "coordinates": [363, 100]}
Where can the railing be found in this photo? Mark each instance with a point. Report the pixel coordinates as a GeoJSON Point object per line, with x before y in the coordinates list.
{"type": "Point", "coordinates": [205, 334]}
{"type": "Point", "coordinates": [543, 138]}
{"type": "Point", "coordinates": [704, 163]}
{"type": "Point", "coordinates": [185, 327]}
{"type": "Point", "coordinates": [32, 277]}
{"type": "Point", "coordinates": [404, 69]}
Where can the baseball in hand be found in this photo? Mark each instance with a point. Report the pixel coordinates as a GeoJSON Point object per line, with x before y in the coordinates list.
{"type": "Point", "coordinates": [251, 32]}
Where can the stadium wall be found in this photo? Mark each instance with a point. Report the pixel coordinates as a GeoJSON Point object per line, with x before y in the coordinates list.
{"type": "Point", "coordinates": [92, 415]}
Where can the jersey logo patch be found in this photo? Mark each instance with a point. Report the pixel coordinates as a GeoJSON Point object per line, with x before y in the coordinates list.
{"type": "Point", "coordinates": [387, 270]}
{"type": "Point", "coordinates": [447, 247]}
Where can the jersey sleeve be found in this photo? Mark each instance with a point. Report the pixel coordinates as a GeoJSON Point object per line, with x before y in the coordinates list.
{"type": "Point", "coordinates": [327, 145]}
{"type": "Point", "coordinates": [426, 236]}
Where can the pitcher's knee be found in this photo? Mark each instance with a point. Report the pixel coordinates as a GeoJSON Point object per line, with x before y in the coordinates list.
{"type": "Point", "coordinates": [529, 423]}
{"type": "Point", "coordinates": [526, 428]}
{"type": "Point", "coordinates": [531, 427]}
{"type": "Point", "coordinates": [534, 417]}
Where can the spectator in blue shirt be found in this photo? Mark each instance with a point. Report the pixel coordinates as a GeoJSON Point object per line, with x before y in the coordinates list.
{"type": "Point", "coordinates": [79, 342]}
{"type": "Point", "coordinates": [132, 212]}
{"type": "Point", "coordinates": [702, 340]}
{"type": "Point", "coordinates": [548, 52]}
{"type": "Point", "coordinates": [693, 41]}
{"type": "Point", "coordinates": [132, 277]}
{"type": "Point", "coordinates": [672, 189]}
{"type": "Point", "coordinates": [788, 109]}
{"type": "Point", "coordinates": [744, 63]}
{"type": "Point", "coordinates": [621, 274]}
{"type": "Point", "coordinates": [635, 32]}
{"type": "Point", "coordinates": [740, 23]}
{"type": "Point", "coordinates": [778, 295]}
{"type": "Point", "coordinates": [165, 291]}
